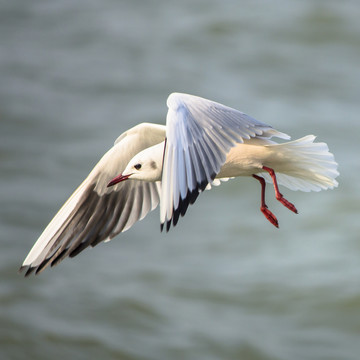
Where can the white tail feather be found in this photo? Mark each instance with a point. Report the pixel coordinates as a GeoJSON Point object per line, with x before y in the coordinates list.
{"type": "Point", "coordinates": [304, 165]}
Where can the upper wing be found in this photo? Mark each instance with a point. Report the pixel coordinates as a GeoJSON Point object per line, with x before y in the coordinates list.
{"type": "Point", "coordinates": [94, 212]}
{"type": "Point", "coordinates": [199, 134]}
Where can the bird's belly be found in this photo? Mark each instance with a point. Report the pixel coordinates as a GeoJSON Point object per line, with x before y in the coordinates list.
{"type": "Point", "coordinates": [244, 160]}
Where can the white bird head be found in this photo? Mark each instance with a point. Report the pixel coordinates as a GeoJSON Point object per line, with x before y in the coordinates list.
{"type": "Point", "coordinates": [146, 166]}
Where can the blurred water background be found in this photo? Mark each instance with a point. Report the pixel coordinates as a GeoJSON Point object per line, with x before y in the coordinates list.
{"type": "Point", "coordinates": [224, 284]}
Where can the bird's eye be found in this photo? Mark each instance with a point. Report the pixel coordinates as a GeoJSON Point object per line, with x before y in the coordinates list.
{"type": "Point", "coordinates": [137, 166]}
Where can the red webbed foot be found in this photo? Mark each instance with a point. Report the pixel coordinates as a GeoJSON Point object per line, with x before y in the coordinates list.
{"type": "Point", "coordinates": [270, 216]}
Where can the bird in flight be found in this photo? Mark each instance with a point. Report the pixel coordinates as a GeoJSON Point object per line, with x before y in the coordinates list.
{"type": "Point", "coordinates": [202, 143]}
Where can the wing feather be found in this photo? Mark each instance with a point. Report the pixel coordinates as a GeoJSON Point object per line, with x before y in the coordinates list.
{"type": "Point", "coordinates": [95, 213]}
{"type": "Point", "coordinates": [199, 134]}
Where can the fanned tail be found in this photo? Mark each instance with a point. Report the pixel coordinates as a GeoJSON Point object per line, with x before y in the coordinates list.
{"type": "Point", "coordinates": [304, 165]}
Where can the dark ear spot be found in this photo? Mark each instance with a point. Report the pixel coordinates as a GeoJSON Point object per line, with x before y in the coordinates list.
{"type": "Point", "coordinates": [153, 165]}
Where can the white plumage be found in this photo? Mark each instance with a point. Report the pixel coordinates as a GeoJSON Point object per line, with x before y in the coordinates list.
{"type": "Point", "coordinates": [203, 141]}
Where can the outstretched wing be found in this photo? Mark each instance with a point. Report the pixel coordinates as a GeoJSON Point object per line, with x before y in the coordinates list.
{"type": "Point", "coordinates": [199, 134]}
{"type": "Point", "coordinates": [94, 212]}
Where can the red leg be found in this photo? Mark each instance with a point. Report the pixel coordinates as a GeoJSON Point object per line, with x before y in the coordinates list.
{"type": "Point", "coordinates": [264, 209]}
{"type": "Point", "coordinates": [278, 195]}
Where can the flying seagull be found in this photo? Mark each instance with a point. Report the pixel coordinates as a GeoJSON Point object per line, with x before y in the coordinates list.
{"type": "Point", "coordinates": [203, 142]}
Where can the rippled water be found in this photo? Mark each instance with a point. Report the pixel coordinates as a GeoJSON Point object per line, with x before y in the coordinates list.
{"type": "Point", "coordinates": [224, 284]}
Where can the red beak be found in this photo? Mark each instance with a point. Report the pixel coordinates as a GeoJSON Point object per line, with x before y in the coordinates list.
{"type": "Point", "coordinates": [118, 179]}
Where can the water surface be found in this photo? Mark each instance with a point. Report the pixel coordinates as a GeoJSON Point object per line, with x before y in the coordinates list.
{"type": "Point", "coordinates": [224, 284]}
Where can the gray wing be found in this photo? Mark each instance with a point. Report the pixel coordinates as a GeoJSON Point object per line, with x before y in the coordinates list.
{"type": "Point", "coordinates": [199, 134]}
{"type": "Point", "coordinates": [94, 212]}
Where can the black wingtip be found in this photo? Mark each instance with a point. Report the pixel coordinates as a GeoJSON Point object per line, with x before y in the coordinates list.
{"type": "Point", "coordinates": [176, 215]}
{"type": "Point", "coordinates": [43, 265]}
{"type": "Point", "coordinates": [203, 185]}
{"type": "Point", "coordinates": [168, 225]}
{"type": "Point", "coordinates": [29, 270]}
{"type": "Point", "coordinates": [58, 257]}
{"type": "Point", "coordinates": [192, 196]}
{"type": "Point", "coordinates": [183, 204]}
{"type": "Point", "coordinates": [82, 246]}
